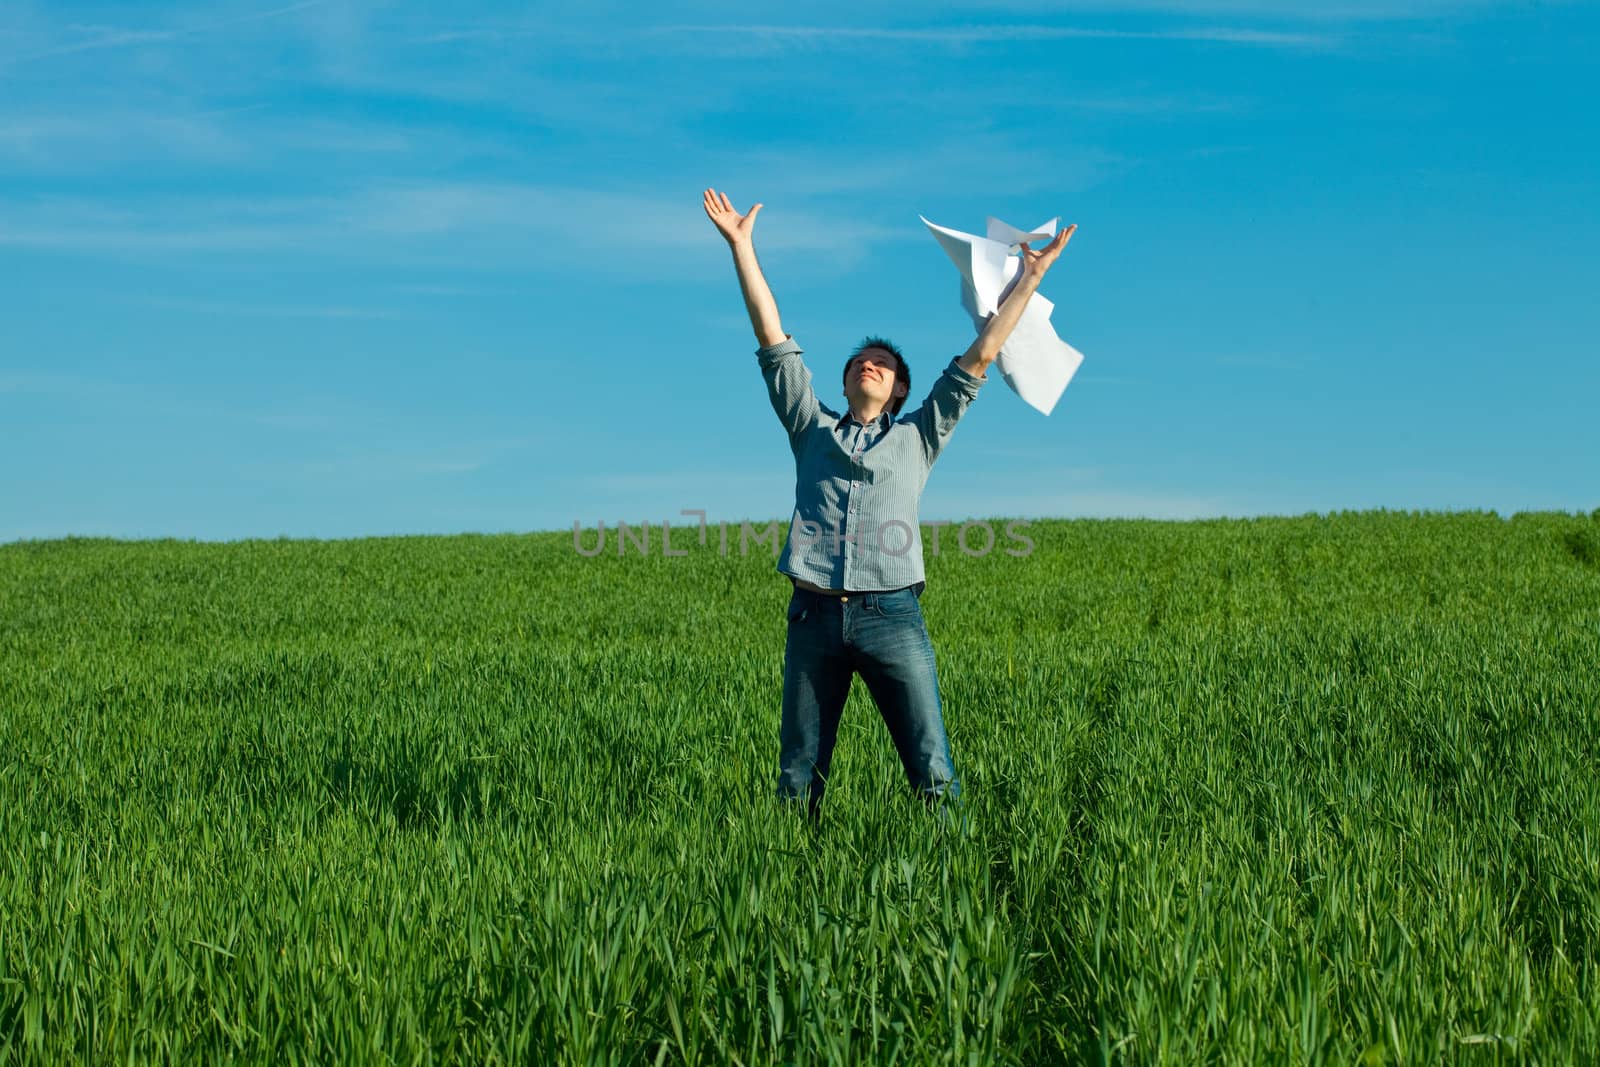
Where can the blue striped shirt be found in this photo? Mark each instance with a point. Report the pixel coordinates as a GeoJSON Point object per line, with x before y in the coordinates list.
{"type": "Point", "coordinates": [857, 485]}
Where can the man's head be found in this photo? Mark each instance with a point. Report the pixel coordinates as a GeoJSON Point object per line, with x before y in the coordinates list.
{"type": "Point", "coordinates": [876, 372]}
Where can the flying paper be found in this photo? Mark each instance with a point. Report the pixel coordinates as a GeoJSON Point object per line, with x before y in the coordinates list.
{"type": "Point", "coordinates": [1034, 362]}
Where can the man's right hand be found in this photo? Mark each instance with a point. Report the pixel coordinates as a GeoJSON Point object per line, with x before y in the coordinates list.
{"type": "Point", "coordinates": [736, 228]}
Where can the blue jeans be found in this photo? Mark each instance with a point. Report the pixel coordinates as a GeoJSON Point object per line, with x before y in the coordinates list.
{"type": "Point", "coordinates": [882, 637]}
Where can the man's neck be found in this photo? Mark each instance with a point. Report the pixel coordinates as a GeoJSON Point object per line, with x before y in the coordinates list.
{"type": "Point", "coordinates": [866, 415]}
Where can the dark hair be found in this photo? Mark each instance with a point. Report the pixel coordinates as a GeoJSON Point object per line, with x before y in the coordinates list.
{"type": "Point", "coordinates": [902, 370]}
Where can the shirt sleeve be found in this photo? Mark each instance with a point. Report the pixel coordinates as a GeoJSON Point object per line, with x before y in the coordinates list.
{"type": "Point", "coordinates": [789, 388]}
{"type": "Point", "coordinates": [947, 401]}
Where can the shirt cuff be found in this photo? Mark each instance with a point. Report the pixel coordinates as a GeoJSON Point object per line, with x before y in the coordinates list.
{"type": "Point", "coordinates": [768, 354]}
{"type": "Point", "coordinates": [969, 383]}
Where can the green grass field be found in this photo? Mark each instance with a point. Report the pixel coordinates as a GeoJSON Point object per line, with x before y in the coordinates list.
{"type": "Point", "coordinates": [1285, 790]}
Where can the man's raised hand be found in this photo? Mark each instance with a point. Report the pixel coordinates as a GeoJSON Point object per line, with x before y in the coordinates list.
{"type": "Point", "coordinates": [992, 337]}
{"type": "Point", "coordinates": [735, 227]}
{"type": "Point", "coordinates": [1036, 263]}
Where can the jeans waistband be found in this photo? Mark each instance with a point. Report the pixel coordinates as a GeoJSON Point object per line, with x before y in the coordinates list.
{"type": "Point", "coordinates": [915, 588]}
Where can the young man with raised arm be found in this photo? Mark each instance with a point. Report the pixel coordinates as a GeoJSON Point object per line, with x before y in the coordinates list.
{"type": "Point", "coordinates": [854, 551]}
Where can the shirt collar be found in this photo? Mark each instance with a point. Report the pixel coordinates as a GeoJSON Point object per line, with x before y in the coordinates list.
{"type": "Point", "coordinates": [878, 423]}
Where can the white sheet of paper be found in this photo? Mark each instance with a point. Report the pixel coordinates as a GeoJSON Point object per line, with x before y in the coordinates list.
{"type": "Point", "coordinates": [1034, 362]}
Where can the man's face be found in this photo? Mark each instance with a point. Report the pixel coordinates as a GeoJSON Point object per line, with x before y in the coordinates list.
{"type": "Point", "coordinates": [871, 377]}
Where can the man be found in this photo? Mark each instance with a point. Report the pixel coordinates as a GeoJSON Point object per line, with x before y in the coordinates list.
{"type": "Point", "coordinates": [854, 551]}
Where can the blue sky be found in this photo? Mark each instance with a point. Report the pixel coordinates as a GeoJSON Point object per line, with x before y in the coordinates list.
{"type": "Point", "coordinates": [339, 268]}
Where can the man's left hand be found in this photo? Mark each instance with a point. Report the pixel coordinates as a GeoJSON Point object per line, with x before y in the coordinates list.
{"type": "Point", "coordinates": [1035, 264]}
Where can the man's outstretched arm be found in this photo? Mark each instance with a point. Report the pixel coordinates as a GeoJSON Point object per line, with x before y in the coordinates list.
{"type": "Point", "coordinates": [788, 380]}
{"type": "Point", "coordinates": [739, 231]}
{"type": "Point", "coordinates": [987, 347]}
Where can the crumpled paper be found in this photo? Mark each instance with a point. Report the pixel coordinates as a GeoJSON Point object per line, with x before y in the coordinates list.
{"type": "Point", "coordinates": [1034, 362]}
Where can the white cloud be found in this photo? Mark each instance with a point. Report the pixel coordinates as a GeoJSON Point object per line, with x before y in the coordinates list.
{"type": "Point", "coordinates": [295, 421]}
{"type": "Point", "coordinates": [1283, 10]}
{"type": "Point", "coordinates": [746, 37]}
{"type": "Point", "coordinates": [1278, 9]}
{"type": "Point", "coordinates": [211, 307]}
{"type": "Point", "coordinates": [72, 386]}
{"type": "Point", "coordinates": [549, 227]}
{"type": "Point", "coordinates": [91, 136]}
{"type": "Point", "coordinates": [87, 39]}
{"type": "Point", "coordinates": [687, 487]}
{"type": "Point", "coordinates": [1087, 503]}
{"type": "Point", "coordinates": [363, 466]}
{"type": "Point", "coordinates": [35, 38]}
{"type": "Point", "coordinates": [1266, 361]}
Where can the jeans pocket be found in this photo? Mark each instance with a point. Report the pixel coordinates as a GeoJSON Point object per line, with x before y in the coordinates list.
{"type": "Point", "coordinates": [797, 608]}
{"type": "Point", "coordinates": [903, 602]}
